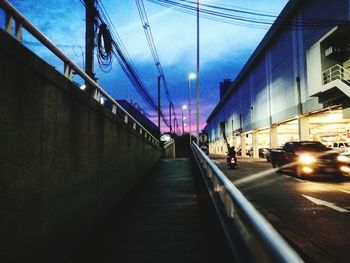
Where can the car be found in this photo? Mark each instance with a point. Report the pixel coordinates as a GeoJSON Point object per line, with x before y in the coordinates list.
{"type": "Point", "coordinates": [267, 155]}
{"type": "Point", "coordinates": [309, 158]}
{"type": "Point", "coordinates": [341, 146]}
{"type": "Point", "coordinates": [262, 152]}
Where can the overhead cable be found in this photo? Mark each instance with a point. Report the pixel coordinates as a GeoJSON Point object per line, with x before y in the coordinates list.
{"type": "Point", "coordinates": [150, 40]}
{"type": "Point", "coordinates": [245, 18]}
{"type": "Point", "coordinates": [109, 43]}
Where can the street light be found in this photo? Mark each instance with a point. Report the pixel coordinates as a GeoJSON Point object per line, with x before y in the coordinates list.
{"type": "Point", "coordinates": [184, 107]}
{"type": "Point", "coordinates": [190, 76]}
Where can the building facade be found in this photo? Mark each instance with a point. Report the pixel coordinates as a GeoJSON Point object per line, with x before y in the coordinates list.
{"type": "Point", "coordinates": [295, 86]}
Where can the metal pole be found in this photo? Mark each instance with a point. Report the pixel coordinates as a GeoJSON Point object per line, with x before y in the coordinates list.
{"type": "Point", "coordinates": [183, 127]}
{"type": "Point", "coordinates": [198, 76]}
{"type": "Point", "coordinates": [89, 41]}
{"type": "Point", "coordinates": [159, 105]}
{"type": "Point", "coordinates": [170, 117]}
{"type": "Point", "coordinates": [300, 110]}
{"type": "Point", "coordinates": [189, 107]}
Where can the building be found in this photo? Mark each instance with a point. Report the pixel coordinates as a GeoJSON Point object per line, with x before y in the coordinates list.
{"type": "Point", "coordinates": [295, 86]}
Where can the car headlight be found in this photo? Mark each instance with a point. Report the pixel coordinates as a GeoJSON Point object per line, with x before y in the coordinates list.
{"type": "Point", "coordinates": [343, 158]}
{"type": "Point", "coordinates": [307, 159]}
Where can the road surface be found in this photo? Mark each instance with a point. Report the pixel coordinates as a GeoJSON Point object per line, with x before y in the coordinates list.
{"type": "Point", "coordinates": [312, 214]}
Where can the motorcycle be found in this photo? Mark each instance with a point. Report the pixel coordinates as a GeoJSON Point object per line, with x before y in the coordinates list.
{"type": "Point", "coordinates": [231, 161]}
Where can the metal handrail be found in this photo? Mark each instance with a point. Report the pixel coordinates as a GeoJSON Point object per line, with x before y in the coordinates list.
{"type": "Point", "coordinates": [237, 205]}
{"type": "Point", "coordinates": [168, 143]}
{"type": "Point", "coordinates": [336, 72]}
{"type": "Point", "coordinates": [69, 65]}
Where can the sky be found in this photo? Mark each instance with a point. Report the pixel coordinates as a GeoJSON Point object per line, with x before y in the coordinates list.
{"type": "Point", "coordinates": [224, 47]}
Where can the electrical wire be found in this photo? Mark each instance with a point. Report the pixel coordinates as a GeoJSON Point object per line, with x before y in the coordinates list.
{"type": "Point", "coordinates": [245, 18]}
{"type": "Point", "coordinates": [150, 41]}
{"type": "Point", "coordinates": [112, 44]}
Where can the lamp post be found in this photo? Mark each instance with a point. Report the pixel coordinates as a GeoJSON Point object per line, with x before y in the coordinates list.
{"type": "Point", "coordinates": [190, 77]}
{"type": "Point", "coordinates": [184, 107]}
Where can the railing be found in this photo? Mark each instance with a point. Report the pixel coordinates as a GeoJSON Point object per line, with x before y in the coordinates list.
{"type": "Point", "coordinates": [336, 72]}
{"type": "Point", "coordinates": [169, 143]}
{"type": "Point", "coordinates": [169, 149]}
{"type": "Point", "coordinates": [263, 242]}
{"type": "Point", "coordinates": [12, 14]}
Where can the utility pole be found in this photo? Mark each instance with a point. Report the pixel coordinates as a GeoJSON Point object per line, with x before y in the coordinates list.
{"type": "Point", "coordinates": [198, 75]}
{"type": "Point", "coordinates": [89, 41]}
{"type": "Point", "coordinates": [170, 117]}
{"type": "Point", "coordinates": [159, 105]}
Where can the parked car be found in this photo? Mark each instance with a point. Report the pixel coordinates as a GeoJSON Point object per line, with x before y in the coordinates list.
{"type": "Point", "coordinates": [341, 146]}
{"type": "Point", "coordinates": [262, 152]}
{"type": "Point", "coordinates": [306, 158]}
{"type": "Point", "coordinates": [268, 154]}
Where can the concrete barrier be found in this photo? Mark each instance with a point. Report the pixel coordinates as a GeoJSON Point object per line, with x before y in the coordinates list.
{"type": "Point", "coordinates": [65, 160]}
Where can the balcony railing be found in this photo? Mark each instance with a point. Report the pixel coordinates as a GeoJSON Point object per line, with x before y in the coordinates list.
{"type": "Point", "coordinates": [336, 72]}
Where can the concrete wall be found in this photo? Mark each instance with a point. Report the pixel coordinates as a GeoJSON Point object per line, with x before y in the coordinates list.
{"type": "Point", "coordinates": [65, 160]}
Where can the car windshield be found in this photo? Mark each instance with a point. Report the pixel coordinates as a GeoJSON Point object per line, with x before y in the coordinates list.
{"type": "Point", "coordinates": [310, 147]}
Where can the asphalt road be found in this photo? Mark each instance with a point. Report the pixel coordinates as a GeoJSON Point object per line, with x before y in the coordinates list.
{"type": "Point", "coordinates": [313, 214]}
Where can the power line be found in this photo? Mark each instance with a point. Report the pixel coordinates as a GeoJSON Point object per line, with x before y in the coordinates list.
{"type": "Point", "coordinates": [109, 43]}
{"type": "Point", "coordinates": [150, 40]}
{"type": "Point", "coordinates": [245, 18]}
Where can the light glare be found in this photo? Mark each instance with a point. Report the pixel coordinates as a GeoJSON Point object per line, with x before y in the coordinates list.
{"type": "Point", "coordinates": [342, 158]}
{"type": "Point", "coordinates": [192, 75]}
{"type": "Point", "coordinates": [307, 159]}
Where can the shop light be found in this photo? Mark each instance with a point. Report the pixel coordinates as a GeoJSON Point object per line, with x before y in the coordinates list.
{"type": "Point", "coordinates": [333, 116]}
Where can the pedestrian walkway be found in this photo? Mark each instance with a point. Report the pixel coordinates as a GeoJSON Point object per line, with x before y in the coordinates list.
{"type": "Point", "coordinates": [160, 222]}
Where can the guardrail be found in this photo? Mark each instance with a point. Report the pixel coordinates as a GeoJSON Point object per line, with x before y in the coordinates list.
{"type": "Point", "coordinates": [336, 72]}
{"type": "Point", "coordinates": [263, 242]}
{"type": "Point", "coordinates": [12, 14]}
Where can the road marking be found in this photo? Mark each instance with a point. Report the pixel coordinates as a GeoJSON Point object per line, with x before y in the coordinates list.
{"type": "Point", "coordinates": [345, 191]}
{"type": "Point", "coordinates": [215, 161]}
{"type": "Point", "coordinates": [324, 186]}
{"type": "Point", "coordinates": [325, 203]}
{"type": "Point", "coordinates": [299, 180]}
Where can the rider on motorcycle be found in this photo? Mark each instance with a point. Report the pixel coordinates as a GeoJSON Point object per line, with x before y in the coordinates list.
{"type": "Point", "coordinates": [231, 152]}
{"type": "Point", "coordinates": [231, 157]}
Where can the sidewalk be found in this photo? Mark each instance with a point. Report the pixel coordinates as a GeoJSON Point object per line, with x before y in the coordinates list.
{"type": "Point", "coordinates": [160, 223]}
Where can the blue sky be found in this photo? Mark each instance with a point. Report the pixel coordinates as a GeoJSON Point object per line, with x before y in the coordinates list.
{"type": "Point", "coordinates": [224, 48]}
